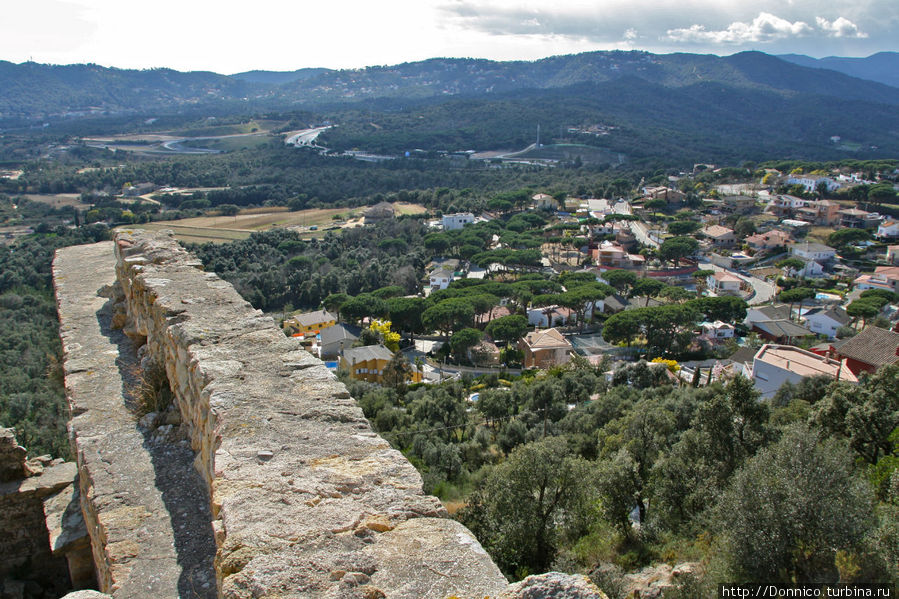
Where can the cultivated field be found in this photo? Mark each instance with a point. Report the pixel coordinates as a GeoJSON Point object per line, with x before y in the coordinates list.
{"type": "Point", "coordinates": [223, 229]}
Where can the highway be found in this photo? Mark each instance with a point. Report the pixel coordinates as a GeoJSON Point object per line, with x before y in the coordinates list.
{"type": "Point", "coordinates": [304, 137]}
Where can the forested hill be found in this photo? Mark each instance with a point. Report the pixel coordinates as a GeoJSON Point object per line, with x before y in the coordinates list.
{"type": "Point", "coordinates": [37, 90]}
{"type": "Point", "coordinates": [278, 77]}
{"type": "Point", "coordinates": [702, 122]}
{"type": "Point", "coordinates": [33, 90]}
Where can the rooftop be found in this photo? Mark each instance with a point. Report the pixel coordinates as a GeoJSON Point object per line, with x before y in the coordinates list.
{"type": "Point", "coordinates": [441, 271]}
{"type": "Point", "coordinates": [770, 235]}
{"type": "Point", "coordinates": [340, 332]}
{"type": "Point", "coordinates": [783, 328]}
{"type": "Point", "coordinates": [775, 312]}
{"type": "Point", "coordinates": [812, 247]}
{"type": "Point", "coordinates": [743, 355]}
{"type": "Point", "coordinates": [717, 231]}
{"type": "Point", "coordinates": [874, 346]}
{"type": "Point", "coordinates": [546, 339]}
{"type": "Point", "coordinates": [312, 318]}
{"type": "Point", "coordinates": [835, 313]}
{"type": "Point", "coordinates": [367, 352]}
{"type": "Point", "coordinates": [802, 362]}
{"type": "Point", "coordinates": [725, 277]}
{"type": "Point", "coordinates": [853, 212]}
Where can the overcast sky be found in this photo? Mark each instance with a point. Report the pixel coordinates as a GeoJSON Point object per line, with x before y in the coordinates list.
{"type": "Point", "coordinates": [227, 36]}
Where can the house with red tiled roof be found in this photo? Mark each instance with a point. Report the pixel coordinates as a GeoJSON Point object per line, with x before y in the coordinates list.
{"type": "Point", "coordinates": [869, 350]}
{"type": "Point", "coordinates": [769, 240]}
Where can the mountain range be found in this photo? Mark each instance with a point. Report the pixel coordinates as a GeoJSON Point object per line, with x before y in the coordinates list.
{"type": "Point", "coordinates": [745, 105]}
{"type": "Point", "coordinates": [32, 90]}
{"type": "Point", "coordinates": [882, 67]}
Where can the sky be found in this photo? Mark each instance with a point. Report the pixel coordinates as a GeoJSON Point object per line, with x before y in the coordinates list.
{"type": "Point", "coordinates": [227, 36]}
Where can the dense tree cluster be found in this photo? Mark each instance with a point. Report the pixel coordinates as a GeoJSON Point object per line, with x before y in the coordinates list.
{"type": "Point", "coordinates": [565, 466]}
{"type": "Point", "coordinates": [276, 270]}
{"type": "Point", "coordinates": [32, 398]}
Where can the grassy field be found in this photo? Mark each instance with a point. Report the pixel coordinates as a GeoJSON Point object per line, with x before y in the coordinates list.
{"type": "Point", "coordinates": [191, 234]}
{"type": "Point", "coordinates": [819, 234]}
{"type": "Point", "coordinates": [404, 208]}
{"type": "Point", "coordinates": [58, 200]}
{"type": "Point", "coordinates": [253, 126]}
{"type": "Point", "coordinates": [229, 144]}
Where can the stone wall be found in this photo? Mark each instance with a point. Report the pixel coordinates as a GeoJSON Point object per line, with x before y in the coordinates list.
{"type": "Point", "coordinates": [307, 501]}
{"type": "Point", "coordinates": [32, 493]}
{"type": "Point", "coordinates": [290, 489]}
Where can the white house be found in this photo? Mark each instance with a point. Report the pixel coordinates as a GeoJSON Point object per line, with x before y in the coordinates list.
{"type": "Point", "coordinates": [457, 221]}
{"type": "Point", "coordinates": [818, 252]}
{"type": "Point", "coordinates": [774, 365]}
{"type": "Point", "coordinates": [717, 330]}
{"type": "Point", "coordinates": [888, 229]}
{"type": "Point", "coordinates": [550, 316]}
{"type": "Point", "coordinates": [723, 282]}
{"type": "Point", "coordinates": [826, 321]}
{"type": "Point", "coordinates": [544, 201]}
{"type": "Point", "coordinates": [440, 277]}
{"type": "Point", "coordinates": [811, 183]}
{"type": "Point", "coordinates": [810, 270]}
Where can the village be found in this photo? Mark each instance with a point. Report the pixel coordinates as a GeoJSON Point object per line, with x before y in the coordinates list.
{"type": "Point", "coordinates": [779, 279]}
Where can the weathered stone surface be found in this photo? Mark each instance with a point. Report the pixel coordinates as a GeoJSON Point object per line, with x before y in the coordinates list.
{"type": "Point", "coordinates": [553, 585]}
{"type": "Point", "coordinates": [12, 456]}
{"type": "Point", "coordinates": [68, 535]}
{"type": "Point", "coordinates": [307, 500]}
{"type": "Point", "coordinates": [416, 549]}
{"type": "Point", "coordinates": [143, 504]}
{"type": "Point", "coordinates": [25, 547]}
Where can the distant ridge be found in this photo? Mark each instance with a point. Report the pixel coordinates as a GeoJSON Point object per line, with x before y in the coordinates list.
{"type": "Point", "coordinates": [882, 67]}
{"type": "Point", "coordinates": [278, 77]}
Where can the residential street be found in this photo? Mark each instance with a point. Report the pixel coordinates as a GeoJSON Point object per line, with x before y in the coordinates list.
{"type": "Point", "coordinates": [641, 232]}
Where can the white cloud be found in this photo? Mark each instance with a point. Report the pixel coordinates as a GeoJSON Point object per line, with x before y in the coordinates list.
{"type": "Point", "coordinates": [840, 27]}
{"type": "Point", "coordinates": [355, 33]}
{"type": "Point", "coordinates": [764, 28]}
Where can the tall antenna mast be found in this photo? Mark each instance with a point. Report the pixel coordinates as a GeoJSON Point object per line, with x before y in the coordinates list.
{"type": "Point", "coordinates": [538, 135]}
